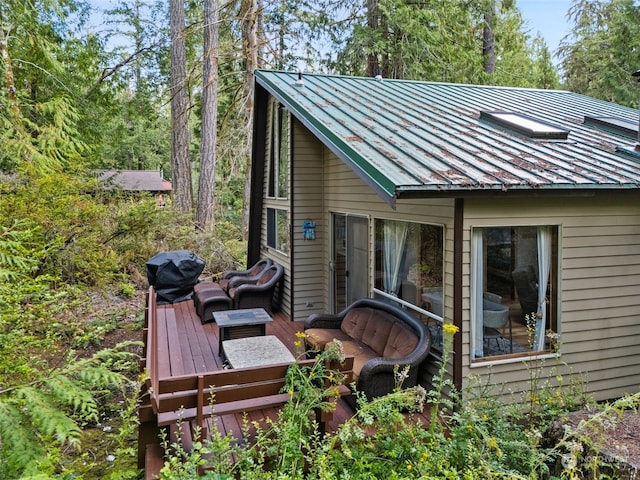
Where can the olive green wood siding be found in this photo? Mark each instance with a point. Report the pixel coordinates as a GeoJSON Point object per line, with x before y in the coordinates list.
{"type": "Point", "coordinates": [310, 257]}
{"type": "Point", "coordinates": [599, 288]}
{"type": "Point", "coordinates": [322, 185]}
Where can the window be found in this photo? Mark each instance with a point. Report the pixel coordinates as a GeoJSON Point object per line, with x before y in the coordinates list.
{"type": "Point", "coordinates": [617, 124]}
{"type": "Point", "coordinates": [409, 263]}
{"type": "Point", "coordinates": [278, 229]}
{"type": "Point", "coordinates": [526, 125]}
{"type": "Point", "coordinates": [278, 186]}
{"type": "Point", "coordinates": [513, 291]}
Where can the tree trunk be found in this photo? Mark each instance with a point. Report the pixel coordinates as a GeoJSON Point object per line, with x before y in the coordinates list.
{"type": "Point", "coordinates": [373, 23]}
{"type": "Point", "coordinates": [488, 41]}
{"type": "Point", "coordinates": [10, 82]}
{"type": "Point", "coordinates": [207, 183]}
{"type": "Point", "coordinates": [180, 165]}
{"type": "Point", "coordinates": [249, 17]}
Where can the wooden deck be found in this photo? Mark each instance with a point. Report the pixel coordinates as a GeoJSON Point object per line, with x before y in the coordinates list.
{"type": "Point", "coordinates": [184, 346]}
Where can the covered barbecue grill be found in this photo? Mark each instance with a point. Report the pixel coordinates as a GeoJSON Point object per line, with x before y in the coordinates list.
{"type": "Point", "coordinates": [173, 274]}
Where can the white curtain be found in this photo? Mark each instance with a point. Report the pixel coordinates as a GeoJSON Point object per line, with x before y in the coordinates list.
{"type": "Point", "coordinates": [544, 266]}
{"type": "Point", "coordinates": [477, 287]}
{"type": "Point", "coordinates": [395, 237]}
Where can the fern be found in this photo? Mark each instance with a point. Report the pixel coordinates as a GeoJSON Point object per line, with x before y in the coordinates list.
{"type": "Point", "coordinates": [68, 392]}
{"type": "Point", "coordinates": [16, 258]}
{"type": "Point", "coordinates": [41, 410]}
{"type": "Point", "coordinates": [19, 445]}
{"type": "Point", "coordinates": [47, 414]}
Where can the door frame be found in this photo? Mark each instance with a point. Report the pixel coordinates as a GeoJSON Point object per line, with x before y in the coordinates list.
{"type": "Point", "coordinates": [335, 303]}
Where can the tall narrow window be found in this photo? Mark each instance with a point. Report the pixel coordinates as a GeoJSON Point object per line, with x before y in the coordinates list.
{"type": "Point", "coordinates": [513, 291]}
{"type": "Point", "coordinates": [278, 186]}
{"type": "Point", "coordinates": [278, 229]}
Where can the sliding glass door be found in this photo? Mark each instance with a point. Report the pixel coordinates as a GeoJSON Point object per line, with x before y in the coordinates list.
{"type": "Point", "coordinates": [350, 260]}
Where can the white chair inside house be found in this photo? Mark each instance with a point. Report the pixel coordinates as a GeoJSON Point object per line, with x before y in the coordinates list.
{"type": "Point", "coordinates": [495, 318]}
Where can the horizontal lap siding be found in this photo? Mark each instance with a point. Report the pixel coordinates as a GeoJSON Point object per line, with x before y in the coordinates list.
{"type": "Point", "coordinates": [310, 257]}
{"type": "Point", "coordinates": [323, 184]}
{"type": "Point", "coordinates": [599, 285]}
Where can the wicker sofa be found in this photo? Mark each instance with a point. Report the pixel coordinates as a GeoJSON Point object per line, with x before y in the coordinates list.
{"type": "Point", "coordinates": [379, 336]}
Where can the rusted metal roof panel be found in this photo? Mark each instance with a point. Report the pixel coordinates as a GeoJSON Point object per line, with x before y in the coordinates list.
{"type": "Point", "coordinates": [409, 137]}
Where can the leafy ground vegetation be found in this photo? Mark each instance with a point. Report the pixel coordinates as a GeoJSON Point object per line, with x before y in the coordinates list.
{"type": "Point", "coordinates": [478, 438]}
{"type": "Point", "coordinates": [71, 278]}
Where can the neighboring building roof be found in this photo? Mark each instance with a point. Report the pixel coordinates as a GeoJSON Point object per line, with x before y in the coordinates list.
{"type": "Point", "coordinates": [135, 180]}
{"type": "Point", "coordinates": [425, 139]}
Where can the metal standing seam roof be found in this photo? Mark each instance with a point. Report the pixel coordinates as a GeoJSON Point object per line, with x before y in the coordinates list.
{"type": "Point", "coordinates": [411, 137]}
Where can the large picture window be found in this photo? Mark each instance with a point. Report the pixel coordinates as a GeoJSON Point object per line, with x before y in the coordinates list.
{"type": "Point", "coordinates": [513, 291]}
{"type": "Point", "coordinates": [408, 259]}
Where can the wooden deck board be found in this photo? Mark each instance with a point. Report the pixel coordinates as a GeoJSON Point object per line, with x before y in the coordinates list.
{"type": "Point", "coordinates": [194, 349]}
{"type": "Point", "coordinates": [164, 360]}
{"type": "Point", "coordinates": [201, 357]}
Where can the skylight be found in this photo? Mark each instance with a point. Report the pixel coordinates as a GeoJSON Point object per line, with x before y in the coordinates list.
{"type": "Point", "coordinates": [618, 124]}
{"type": "Point", "coordinates": [526, 125]}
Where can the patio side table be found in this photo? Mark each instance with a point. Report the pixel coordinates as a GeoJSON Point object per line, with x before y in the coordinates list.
{"type": "Point", "coordinates": [233, 324]}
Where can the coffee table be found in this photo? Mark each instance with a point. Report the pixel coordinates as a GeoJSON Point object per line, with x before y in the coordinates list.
{"type": "Point", "coordinates": [256, 352]}
{"type": "Point", "coordinates": [246, 322]}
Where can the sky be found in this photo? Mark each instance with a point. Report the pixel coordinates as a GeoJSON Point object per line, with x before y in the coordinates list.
{"type": "Point", "coordinates": [545, 16]}
{"type": "Point", "coordinates": [549, 17]}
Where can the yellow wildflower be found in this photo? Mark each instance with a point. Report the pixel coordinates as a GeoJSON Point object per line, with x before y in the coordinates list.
{"type": "Point", "coordinates": [301, 335]}
{"type": "Point", "coordinates": [298, 343]}
{"type": "Point", "coordinates": [450, 329]}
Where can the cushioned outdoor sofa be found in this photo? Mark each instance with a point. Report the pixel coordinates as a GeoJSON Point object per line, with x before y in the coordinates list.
{"type": "Point", "coordinates": [379, 336]}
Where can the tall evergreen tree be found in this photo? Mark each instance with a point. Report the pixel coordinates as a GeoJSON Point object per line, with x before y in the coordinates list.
{"type": "Point", "coordinates": [250, 20]}
{"type": "Point", "coordinates": [206, 190]}
{"type": "Point", "coordinates": [135, 131]}
{"type": "Point", "coordinates": [180, 137]}
{"type": "Point", "coordinates": [603, 50]}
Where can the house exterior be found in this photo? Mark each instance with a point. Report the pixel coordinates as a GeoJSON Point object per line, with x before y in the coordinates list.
{"type": "Point", "coordinates": [512, 213]}
{"type": "Point", "coordinates": [150, 181]}
{"type": "Point", "coordinates": [135, 180]}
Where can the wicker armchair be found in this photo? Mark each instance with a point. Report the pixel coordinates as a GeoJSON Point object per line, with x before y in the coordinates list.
{"type": "Point", "coordinates": [379, 336]}
{"type": "Point", "coordinates": [230, 278]}
{"type": "Point", "coordinates": [258, 292]}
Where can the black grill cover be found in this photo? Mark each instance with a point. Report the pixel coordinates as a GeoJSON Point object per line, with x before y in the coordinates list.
{"type": "Point", "coordinates": [173, 274]}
